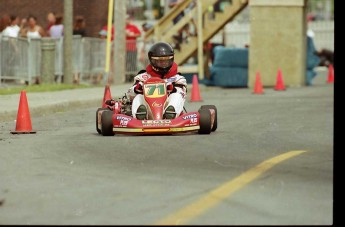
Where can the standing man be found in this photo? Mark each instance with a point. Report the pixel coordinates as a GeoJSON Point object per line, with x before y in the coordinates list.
{"type": "Point", "coordinates": [132, 33]}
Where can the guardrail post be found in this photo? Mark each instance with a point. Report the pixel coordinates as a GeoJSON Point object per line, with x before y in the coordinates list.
{"type": "Point", "coordinates": [48, 60]}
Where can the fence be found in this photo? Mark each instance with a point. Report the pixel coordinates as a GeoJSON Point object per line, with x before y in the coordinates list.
{"type": "Point", "coordinates": [20, 59]}
{"type": "Point", "coordinates": [13, 58]}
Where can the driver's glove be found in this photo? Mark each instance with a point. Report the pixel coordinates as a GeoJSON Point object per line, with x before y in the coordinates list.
{"type": "Point", "coordinates": [171, 88]}
{"type": "Point", "coordinates": [138, 89]}
{"type": "Point", "coordinates": [110, 102]}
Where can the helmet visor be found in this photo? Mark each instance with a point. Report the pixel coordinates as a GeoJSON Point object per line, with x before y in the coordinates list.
{"type": "Point", "coordinates": [162, 62]}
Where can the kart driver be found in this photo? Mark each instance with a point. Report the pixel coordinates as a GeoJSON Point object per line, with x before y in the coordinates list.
{"type": "Point", "coordinates": [162, 65]}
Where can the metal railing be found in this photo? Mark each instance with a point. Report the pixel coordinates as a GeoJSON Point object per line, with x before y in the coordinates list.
{"type": "Point", "coordinates": [20, 59]}
{"type": "Point", "coordinates": [14, 58]}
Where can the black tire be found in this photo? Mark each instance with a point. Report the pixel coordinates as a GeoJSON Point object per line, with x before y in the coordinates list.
{"type": "Point", "coordinates": [107, 123]}
{"type": "Point", "coordinates": [215, 123]}
{"type": "Point", "coordinates": [205, 121]}
{"type": "Point", "coordinates": [97, 129]}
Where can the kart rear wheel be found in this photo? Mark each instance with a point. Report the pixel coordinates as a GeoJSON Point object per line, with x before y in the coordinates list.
{"type": "Point", "coordinates": [205, 121]}
{"type": "Point", "coordinates": [107, 123]}
{"type": "Point", "coordinates": [99, 130]}
{"type": "Point", "coordinates": [215, 123]}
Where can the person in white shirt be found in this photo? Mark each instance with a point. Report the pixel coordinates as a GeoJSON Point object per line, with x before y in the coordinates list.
{"type": "Point", "coordinates": [12, 30]}
{"type": "Point", "coordinates": [56, 30]}
{"type": "Point", "coordinates": [33, 30]}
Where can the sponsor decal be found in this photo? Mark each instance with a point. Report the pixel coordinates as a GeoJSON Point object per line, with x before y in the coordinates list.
{"type": "Point", "coordinates": [154, 104]}
{"type": "Point", "coordinates": [193, 121]}
{"type": "Point", "coordinates": [124, 123]}
{"type": "Point", "coordinates": [144, 77]}
{"type": "Point", "coordinates": [156, 122]}
{"type": "Point", "coordinates": [189, 116]}
{"type": "Point", "coordinates": [122, 118]}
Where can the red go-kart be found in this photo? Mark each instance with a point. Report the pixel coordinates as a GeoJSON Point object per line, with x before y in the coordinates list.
{"type": "Point", "coordinates": [117, 117]}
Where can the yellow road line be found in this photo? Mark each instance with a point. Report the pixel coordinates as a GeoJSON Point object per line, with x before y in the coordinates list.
{"type": "Point", "coordinates": [224, 191]}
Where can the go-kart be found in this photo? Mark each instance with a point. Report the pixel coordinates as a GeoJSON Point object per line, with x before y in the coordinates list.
{"type": "Point", "coordinates": [117, 117]}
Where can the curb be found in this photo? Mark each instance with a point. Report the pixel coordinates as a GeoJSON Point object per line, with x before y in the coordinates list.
{"type": "Point", "coordinates": [43, 110]}
{"type": "Point", "coordinates": [50, 109]}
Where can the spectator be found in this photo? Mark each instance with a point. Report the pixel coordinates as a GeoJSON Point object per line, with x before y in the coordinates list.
{"type": "Point", "coordinates": [22, 27]}
{"type": "Point", "coordinates": [132, 33]}
{"type": "Point", "coordinates": [51, 19]}
{"type": "Point", "coordinates": [326, 57]}
{"type": "Point", "coordinates": [103, 32]}
{"type": "Point", "coordinates": [5, 21]}
{"type": "Point", "coordinates": [78, 29]}
{"type": "Point", "coordinates": [146, 46]}
{"type": "Point", "coordinates": [56, 30]}
{"type": "Point", "coordinates": [79, 26]}
{"type": "Point", "coordinates": [33, 30]}
{"type": "Point", "coordinates": [310, 32]}
{"type": "Point", "coordinates": [12, 30]}
{"type": "Point", "coordinates": [103, 35]}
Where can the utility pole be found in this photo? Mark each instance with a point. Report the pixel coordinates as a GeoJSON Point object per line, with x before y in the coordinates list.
{"type": "Point", "coordinates": [120, 42]}
{"type": "Point", "coordinates": [108, 50]}
{"type": "Point", "coordinates": [67, 44]}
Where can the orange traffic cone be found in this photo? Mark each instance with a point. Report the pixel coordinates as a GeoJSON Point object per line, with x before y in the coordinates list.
{"type": "Point", "coordinates": [23, 123]}
{"type": "Point", "coordinates": [195, 97]}
{"type": "Point", "coordinates": [258, 85]}
{"type": "Point", "coordinates": [106, 96]}
{"type": "Point", "coordinates": [280, 83]}
{"type": "Point", "coordinates": [330, 78]}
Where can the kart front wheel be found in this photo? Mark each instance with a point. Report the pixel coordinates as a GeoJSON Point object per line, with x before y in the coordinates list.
{"type": "Point", "coordinates": [215, 122]}
{"type": "Point", "coordinates": [99, 109]}
{"type": "Point", "coordinates": [107, 123]}
{"type": "Point", "coordinates": [205, 121]}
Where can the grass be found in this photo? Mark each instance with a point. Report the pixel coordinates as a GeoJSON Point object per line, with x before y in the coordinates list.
{"type": "Point", "coordinates": [42, 88]}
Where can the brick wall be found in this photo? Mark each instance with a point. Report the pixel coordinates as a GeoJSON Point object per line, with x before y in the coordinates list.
{"type": "Point", "coordinates": [95, 12]}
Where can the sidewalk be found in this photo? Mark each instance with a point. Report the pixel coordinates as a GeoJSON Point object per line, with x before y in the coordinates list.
{"type": "Point", "coordinates": [41, 103]}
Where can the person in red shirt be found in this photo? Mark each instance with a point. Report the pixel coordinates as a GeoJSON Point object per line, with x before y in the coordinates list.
{"type": "Point", "coordinates": [104, 31]}
{"type": "Point", "coordinates": [132, 33]}
{"type": "Point", "coordinates": [103, 35]}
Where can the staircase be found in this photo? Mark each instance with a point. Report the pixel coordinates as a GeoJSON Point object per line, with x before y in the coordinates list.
{"type": "Point", "coordinates": [164, 29]}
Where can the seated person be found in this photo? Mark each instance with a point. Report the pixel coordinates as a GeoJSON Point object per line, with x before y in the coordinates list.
{"type": "Point", "coordinates": [326, 57]}
{"type": "Point", "coordinates": [162, 65]}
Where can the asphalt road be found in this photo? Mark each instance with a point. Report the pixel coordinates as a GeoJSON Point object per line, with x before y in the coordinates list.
{"type": "Point", "coordinates": [68, 174]}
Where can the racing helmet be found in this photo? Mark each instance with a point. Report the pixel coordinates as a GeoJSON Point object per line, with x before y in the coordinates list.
{"type": "Point", "coordinates": [161, 57]}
